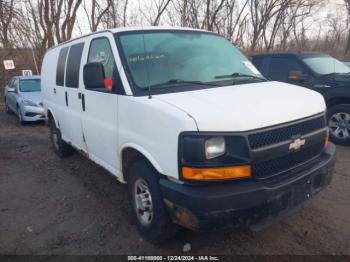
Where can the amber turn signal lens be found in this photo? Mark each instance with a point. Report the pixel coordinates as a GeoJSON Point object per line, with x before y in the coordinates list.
{"type": "Point", "coordinates": [219, 173]}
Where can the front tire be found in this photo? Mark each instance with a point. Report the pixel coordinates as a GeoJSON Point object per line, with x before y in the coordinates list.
{"type": "Point", "coordinates": [148, 210]}
{"type": "Point", "coordinates": [20, 116]}
{"type": "Point", "coordinates": [7, 108]}
{"type": "Point", "coordinates": [338, 118]}
{"type": "Point", "coordinates": [61, 148]}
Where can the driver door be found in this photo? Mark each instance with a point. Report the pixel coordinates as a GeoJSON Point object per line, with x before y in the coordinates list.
{"type": "Point", "coordinates": [12, 96]}
{"type": "Point", "coordinates": [99, 114]}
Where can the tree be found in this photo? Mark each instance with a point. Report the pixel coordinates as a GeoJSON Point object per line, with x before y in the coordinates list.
{"type": "Point", "coordinates": [55, 19]}
{"type": "Point", "coordinates": [234, 23]}
{"type": "Point", "coordinates": [261, 12]}
{"type": "Point", "coordinates": [95, 13]}
{"type": "Point", "coordinates": [161, 7]}
{"type": "Point", "coordinates": [116, 14]}
{"type": "Point", "coordinates": [154, 10]}
{"type": "Point", "coordinates": [7, 14]}
{"type": "Point", "coordinates": [212, 11]}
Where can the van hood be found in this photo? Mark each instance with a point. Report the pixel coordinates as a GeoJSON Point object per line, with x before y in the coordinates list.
{"type": "Point", "coordinates": [246, 107]}
{"type": "Point", "coordinates": [35, 97]}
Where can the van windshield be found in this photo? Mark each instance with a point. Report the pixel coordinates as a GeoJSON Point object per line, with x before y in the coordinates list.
{"type": "Point", "coordinates": [326, 65]}
{"type": "Point", "coordinates": [166, 60]}
{"type": "Point", "coordinates": [30, 85]}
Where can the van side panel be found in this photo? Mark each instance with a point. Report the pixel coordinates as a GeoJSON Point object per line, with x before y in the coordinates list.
{"type": "Point", "coordinates": [153, 127]}
{"type": "Point", "coordinates": [71, 127]}
{"type": "Point", "coordinates": [99, 118]}
{"type": "Point", "coordinates": [51, 94]}
{"type": "Point", "coordinates": [99, 121]}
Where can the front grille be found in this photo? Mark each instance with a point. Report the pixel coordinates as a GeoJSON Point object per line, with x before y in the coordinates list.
{"type": "Point", "coordinates": [269, 137]}
{"type": "Point", "coordinates": [30, 114]}
{"type": "Point", "coordinates": [272, 167]}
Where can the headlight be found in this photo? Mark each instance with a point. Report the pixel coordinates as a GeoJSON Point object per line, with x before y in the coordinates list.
{"type": "Point", "coordinates": [215, 147]}
{"type": "Point", "coordinates": [206, 156]}
{"type": "Point", "coordinates": [28, 102]}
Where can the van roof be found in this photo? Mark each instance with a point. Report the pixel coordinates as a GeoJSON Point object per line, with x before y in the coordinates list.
{"type": "Point", "coordinates": [130, 29]}
{"type": "Point", "coordinates": [151, 28]}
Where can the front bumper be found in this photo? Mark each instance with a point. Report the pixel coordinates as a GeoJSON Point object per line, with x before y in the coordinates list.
{"type": "Point", "coordinates": [33, 113]}
{"type": "Point", "coordinates": [246, 203]}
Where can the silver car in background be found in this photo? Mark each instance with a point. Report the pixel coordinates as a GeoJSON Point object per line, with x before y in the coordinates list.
{"type": "Point", "coordinates": [23, 97]}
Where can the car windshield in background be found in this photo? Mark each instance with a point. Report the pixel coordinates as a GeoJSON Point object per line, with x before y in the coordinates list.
{"type": "Point", "coordinates": [30, 85]}
{"type": "Point", "coordinates": [326, 65]}
{"type": "Point", "coordinates": [169, 59]}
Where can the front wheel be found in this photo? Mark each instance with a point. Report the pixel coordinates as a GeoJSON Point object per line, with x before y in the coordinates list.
{"type": "Point", "coordinates": [7, 108]}
{"type": "Point", "coordinates": [148, 210]}
{"type": "Point", "coordinates": [61, 148]}
{"type": "Point", "coordinates": [338, 118]}
{"type": "Point", "coordinates": [20, 116]}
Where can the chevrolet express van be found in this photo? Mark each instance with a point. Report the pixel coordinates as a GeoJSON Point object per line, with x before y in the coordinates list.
{"type": "Point", "coordinates": [180, 115]}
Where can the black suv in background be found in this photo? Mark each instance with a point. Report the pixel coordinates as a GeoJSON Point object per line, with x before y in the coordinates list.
{"type": "Point", "coordinates": [319, 72]}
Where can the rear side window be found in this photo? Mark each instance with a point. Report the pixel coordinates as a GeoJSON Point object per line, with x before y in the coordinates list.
{"type": "Point", "coordinates": [73, 65]}
{"type": "Point", "coordinates": [60, 66]}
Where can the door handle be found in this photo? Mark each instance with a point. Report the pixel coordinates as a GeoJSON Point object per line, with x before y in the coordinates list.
{"type": "Point", "coordinates": [83, 101]}
{"type": "Point", "coordinates": [54, 90]}
{"type": "Point", "coordinates": [66, 95]}
{"type": "Point", "coordinates": [79, 95]}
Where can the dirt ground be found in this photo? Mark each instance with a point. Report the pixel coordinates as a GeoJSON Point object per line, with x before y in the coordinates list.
{"type": "Point", "coordinates": [72, 206]}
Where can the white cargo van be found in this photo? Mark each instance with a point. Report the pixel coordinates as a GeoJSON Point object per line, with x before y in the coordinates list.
{"type": "Point", "coordinates": [182, 117]}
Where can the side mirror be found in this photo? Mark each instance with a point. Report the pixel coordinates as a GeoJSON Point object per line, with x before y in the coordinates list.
{"type": "Point", "coordinates": [297, 76]}
{"type": "Point", "coordinates": [94, 75]}
{"type": "Point", "coordinates": [11, 89]}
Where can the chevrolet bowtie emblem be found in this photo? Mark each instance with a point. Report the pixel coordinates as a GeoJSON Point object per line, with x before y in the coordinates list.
{"type": "Point", "coordinates": [296, 144]}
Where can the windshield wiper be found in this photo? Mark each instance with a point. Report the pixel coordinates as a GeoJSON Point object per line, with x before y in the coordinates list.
{"type": "Point", "coordinates": [236, 75]}
{"type": "Point", "coordinates": [180, 81]}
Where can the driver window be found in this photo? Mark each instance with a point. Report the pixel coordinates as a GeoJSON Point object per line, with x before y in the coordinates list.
{"type": "Point", "coordinates": [280, 67]}
{"type": "Point", "coordinates": [101, 52]}
{"type": "Point", "coordinates": [10, 83]}
{"type": "Point", "coordinates": [15, 84]}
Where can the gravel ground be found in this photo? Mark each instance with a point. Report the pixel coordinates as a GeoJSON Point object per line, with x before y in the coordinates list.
{"type": "Point", "coordinates": [72, 206]}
